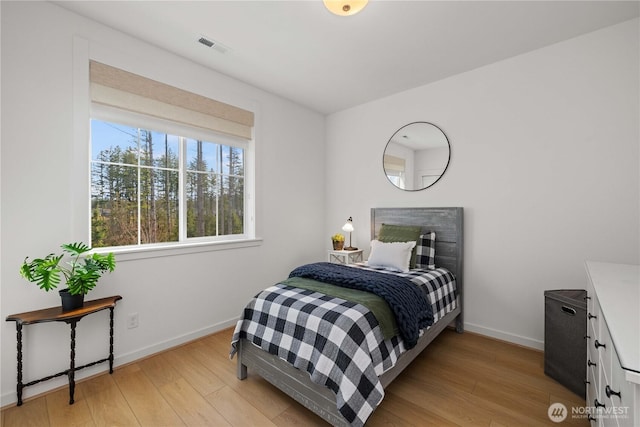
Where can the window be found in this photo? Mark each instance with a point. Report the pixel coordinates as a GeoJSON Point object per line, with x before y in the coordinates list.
{"type": "Point", "coordinates": [149, 186]}
{"type": "Point", "coordinates": [395, 167]}
{"type": "Point", "coordinates": [167, 166]}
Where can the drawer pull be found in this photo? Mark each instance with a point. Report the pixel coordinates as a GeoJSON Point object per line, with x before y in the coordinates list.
{"type": "Point", "coordinates": [610, 392]}
{"type": "Point", "coordinates": [568, 310]}
{"type": "Point", "coordinates": [591, 316]}
{"type": "Point", "coordinates": [590, 418]}
{"type": "Point", "coordinates": [587, 382]}
{"type": "Point", "coordinates": [598, 404]}
{"type": "Point", "coordinates": [587, 337]}
{"type": "Point", "coordinates": [590, 363]}
{"type": "Point", "coordinates": [586, 298]}
{"type": "Point", "coordinates": [599, 344]}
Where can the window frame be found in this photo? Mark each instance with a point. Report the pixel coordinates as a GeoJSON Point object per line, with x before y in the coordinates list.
{"type": "Point", "coordinates": [193, 244]}
{"type": "Point", "coordinates": [79, 220]}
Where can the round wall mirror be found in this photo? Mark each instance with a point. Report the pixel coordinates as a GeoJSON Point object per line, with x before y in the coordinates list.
{"type": "Point", "coordinates": [416, 156]}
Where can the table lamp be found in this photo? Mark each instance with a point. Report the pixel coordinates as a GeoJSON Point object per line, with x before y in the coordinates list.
{"type": "Point", "coordinates": [348, 228]}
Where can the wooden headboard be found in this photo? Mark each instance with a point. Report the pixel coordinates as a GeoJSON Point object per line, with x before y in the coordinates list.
{"type": "Point", "coordinates": [446, 222]}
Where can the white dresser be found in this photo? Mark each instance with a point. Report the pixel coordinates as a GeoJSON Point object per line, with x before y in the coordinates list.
{"type": "Point", "coordinates": [613, 344]}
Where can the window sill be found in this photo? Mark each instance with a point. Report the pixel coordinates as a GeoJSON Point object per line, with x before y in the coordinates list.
{"type": "Point", "coordinates": [177, 249]}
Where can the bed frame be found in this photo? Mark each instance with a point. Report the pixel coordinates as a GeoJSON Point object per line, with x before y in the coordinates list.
{"type": "Point", "coordinates": [448, 225]}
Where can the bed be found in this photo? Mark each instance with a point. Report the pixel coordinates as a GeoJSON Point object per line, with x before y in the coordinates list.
{"type": "Point", "coordinates": [447, 223]}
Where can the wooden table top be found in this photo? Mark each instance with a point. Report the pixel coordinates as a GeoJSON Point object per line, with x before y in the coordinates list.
{"type": "Point", "coordinates": [55, 314]}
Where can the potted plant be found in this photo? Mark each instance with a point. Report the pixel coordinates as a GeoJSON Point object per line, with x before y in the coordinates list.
{"type": "Point", "coordinates": [81, 273]}
{"type": "Point", "coordinates": [338, 241]}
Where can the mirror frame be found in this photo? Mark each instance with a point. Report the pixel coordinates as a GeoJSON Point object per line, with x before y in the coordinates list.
{"type": "Point", "coordinates": [443, 171]}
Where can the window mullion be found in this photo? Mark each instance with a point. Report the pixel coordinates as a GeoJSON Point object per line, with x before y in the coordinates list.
{"type": "Point", "coordinates": [139, 192]}
{"type": "Point", "coordinates": [219, 195]}
{"type": "Point", "coordinates": [182, 179]}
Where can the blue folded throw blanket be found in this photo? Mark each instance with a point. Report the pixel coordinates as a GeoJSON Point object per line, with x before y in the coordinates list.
{"type": "Point", "coordinates": [406, 300]}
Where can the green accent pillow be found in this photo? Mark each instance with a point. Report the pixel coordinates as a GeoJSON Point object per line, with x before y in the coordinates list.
{"type": "Point", "coordinates": [401, 233]}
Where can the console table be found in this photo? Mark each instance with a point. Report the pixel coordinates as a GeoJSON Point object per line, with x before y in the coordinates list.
{"type": "Point", "coordinates": [72, 317]}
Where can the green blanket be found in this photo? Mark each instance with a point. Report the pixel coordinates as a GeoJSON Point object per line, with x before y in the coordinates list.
{"type": "Point", "coordinates": [377, 305]}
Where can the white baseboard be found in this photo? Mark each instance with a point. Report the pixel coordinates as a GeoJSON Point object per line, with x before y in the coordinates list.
{"type": "Point", "coordinates": [505, 336]}
{"type": "Point", "coordinates": [11, 398]}
{"type": "Point", "coordinates": [123, 359]}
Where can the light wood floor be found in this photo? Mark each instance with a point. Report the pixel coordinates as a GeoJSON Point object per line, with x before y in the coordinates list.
{"type": "Point", "coordinates": [459, 380]}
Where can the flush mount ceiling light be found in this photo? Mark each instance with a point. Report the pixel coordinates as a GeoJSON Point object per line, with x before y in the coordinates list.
{"type": "Point", "coordinates": [345, 7]}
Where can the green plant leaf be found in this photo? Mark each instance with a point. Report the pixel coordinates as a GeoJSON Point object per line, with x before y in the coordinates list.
{"type": "Point", "coordinates": [81, 274]}
{"type": "Point", "coordinates": [49, 279]}
{"type": "Point", "coordinates": [45, 272]}
{"type": "Point", "coordinates": [77, 248]}
{"type": "Point", "coordinates": [104, 262]}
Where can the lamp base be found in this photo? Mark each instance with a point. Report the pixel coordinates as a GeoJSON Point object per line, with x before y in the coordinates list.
{"type": "Point", "coordinates": [350, 248]}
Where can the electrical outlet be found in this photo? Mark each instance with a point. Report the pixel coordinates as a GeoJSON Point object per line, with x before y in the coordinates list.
{"type": "Point", "coordinates": [132, 320]}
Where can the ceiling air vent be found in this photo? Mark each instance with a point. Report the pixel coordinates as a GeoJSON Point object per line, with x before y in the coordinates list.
{"type": "Point", "coordinates": [211, 43]}
{"type": "Point", "coordinates": [206, 42]}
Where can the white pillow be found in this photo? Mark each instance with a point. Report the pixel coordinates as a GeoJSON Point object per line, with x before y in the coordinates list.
{"type": "Point", "coordinates": [392, 256]}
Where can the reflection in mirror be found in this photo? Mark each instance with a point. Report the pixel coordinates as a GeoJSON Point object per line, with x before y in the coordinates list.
{"type": "Point", "coordinates": [416, 156]}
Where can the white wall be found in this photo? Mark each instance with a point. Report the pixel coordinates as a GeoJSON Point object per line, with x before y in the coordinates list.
{"type": "Point", "coordinates": [178, 297]}
{"type": "Point", "coordinates": [545, 154]}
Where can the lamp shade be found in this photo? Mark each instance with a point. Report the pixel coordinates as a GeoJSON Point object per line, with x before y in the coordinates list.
{"type": "Point", "coordinates": [345, 7]}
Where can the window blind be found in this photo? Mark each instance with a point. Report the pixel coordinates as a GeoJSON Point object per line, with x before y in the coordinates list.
{"type": "Point", "coordinates": [393, 163]}
{"type": "Point", "coordinates": [121, 89]}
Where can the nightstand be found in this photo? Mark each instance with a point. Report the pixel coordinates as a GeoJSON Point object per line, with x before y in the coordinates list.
{"type": "Point", "coordinates": [345, 257]}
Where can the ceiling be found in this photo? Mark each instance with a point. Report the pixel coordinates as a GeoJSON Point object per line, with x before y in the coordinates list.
{"type": "Point", "coordinates": [419, 136]}
{"type": "Point", "coordinates": [300, 51]}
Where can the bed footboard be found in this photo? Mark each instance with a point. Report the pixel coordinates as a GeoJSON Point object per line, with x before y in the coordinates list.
{"type": "Point", "coordinates": [314, 397]}
{"type": "Point", "coordinates": [290, 380]}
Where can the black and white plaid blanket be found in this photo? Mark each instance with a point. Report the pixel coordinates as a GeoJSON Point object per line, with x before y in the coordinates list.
{"type": "Point", "coordinates": [411, 310]}
{"type": "Point", "coordinates": [439, 286]}
{"type": "Point", "coordinates": [338, 342]}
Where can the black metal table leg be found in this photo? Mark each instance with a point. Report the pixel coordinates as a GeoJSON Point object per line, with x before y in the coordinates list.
{"type": "Point", "coordinates": [19, 340]}
{"type": "Point", "coordinates": [111, 340]}
{"type": "Point", "coordinates": [72, 363]}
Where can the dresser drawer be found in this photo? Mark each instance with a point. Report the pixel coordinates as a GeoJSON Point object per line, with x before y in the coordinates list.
{"type": "Point", "coordinates": [603, 346]}
{"type": "Point", "coordinates": [593, 355]}
{"type": "Point", "coordinates": [591, 297]}
{"type": "Point", "coordinates": [592, 393]}
{"type": "Point", "coordinates": [593, 319]}
{"type": "Point", "coordinates": [606, 413]}
{"type": "Point", "coordinates": [620, 393]}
